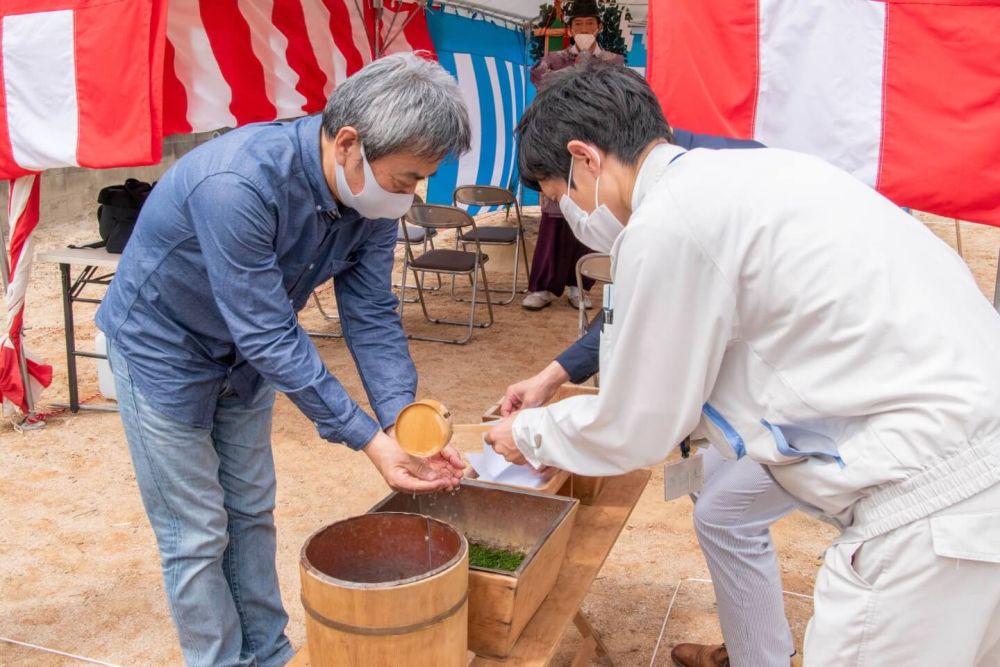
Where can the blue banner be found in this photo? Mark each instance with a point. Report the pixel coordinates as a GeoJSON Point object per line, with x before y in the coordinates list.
{"type": "Point", "coordinates": [492, 65]}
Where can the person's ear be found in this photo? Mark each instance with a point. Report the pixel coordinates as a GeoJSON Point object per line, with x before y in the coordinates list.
{"type": "Point", "coordinates": [586, 156]}
{"type": "Point", "coordinates": [344, 144]}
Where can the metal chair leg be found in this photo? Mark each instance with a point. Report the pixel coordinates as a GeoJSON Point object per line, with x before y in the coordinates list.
{"type": "Point", "coordinates": [471, 324]}
{"type": "Point", "coordinates": [327, 317]}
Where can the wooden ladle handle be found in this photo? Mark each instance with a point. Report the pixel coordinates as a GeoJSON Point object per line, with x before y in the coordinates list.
{"type": "Point", "coordinates": [473, 428]}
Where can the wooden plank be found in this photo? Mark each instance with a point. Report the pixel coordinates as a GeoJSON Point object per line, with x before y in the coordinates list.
{"type": "Point", "coordinates": [594, 534]}
{"type": "Point", "coordinates": [587, 630]}
{"type": "Point", "coordinates": [585, 654]}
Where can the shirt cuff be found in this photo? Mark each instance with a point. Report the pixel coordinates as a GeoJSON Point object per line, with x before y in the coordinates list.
{"type": "Point", "coordinates": [526, 435]}
{"type": "Point", "coordinates": [356, 433]}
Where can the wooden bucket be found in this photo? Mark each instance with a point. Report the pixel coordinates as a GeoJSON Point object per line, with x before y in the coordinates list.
{"type": "Point", "coordinates": [386, 589]}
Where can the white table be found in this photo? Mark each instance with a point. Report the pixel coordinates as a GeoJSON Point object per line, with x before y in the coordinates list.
{"type": "Point", "coordinates": [98, 269]}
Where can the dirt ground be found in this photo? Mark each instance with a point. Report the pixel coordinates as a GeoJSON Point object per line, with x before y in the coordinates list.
{"type": "Point", "coordinates": [79, 568]}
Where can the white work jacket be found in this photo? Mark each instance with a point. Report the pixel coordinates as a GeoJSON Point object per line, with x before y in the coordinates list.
{"type": "Point", "coordinates": [779, 307]}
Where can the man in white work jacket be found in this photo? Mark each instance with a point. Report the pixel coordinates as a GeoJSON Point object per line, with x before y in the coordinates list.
{"type": "Point", "coordinates": [787, 312]}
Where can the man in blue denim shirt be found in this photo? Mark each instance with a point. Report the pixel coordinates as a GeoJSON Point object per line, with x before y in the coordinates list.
{"type": "Point", "coordinates": [201, 322]}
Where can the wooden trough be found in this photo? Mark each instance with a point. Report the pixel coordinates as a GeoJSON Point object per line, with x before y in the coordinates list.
{"type": "Point", "coordinates": [536, 524]}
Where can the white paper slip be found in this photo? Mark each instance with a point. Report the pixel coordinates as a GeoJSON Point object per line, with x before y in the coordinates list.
{"type": "Point", "coordinates": [491, 467]}
{"type": "Point", "coordinates": [683, 476]}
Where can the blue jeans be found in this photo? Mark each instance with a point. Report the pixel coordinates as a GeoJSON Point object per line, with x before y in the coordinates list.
{"type": "Point", "coordinates": [209, 495]}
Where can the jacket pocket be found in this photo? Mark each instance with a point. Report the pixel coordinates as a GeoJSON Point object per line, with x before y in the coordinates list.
{"type": "Point", "coordinates": [721, 433]}
{"type": "Point", "coordinates": [973, 537]}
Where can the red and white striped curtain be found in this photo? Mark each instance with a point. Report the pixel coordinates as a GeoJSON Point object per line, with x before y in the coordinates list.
{"type": "Point", "coordinates": [232, 62]}
{"type": "Point", "coordinates": [22, 214]}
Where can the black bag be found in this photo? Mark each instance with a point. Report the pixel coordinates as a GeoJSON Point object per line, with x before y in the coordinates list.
{"type": "Point", "coordinates": [118, 210]}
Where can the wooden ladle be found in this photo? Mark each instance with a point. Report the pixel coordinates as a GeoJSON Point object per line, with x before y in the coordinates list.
{"type": "Point", "coordinates": [424, 428]}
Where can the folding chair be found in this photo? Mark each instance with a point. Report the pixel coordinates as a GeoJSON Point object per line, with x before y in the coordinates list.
{"type": "Point", "coordinates": [597, 266]}
{"type": "Point", "coordinates": [449, 262]}
{"type": "Point", "coordinates": [417, 235]}
{"type": "Point", "coordinates": [489, 195]}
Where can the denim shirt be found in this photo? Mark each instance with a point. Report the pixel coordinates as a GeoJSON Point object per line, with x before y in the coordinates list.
{"type": "Point", "coordinates": [228, 247]}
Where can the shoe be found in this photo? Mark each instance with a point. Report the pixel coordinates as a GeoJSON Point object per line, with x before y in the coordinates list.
{"type": "Point", "coordinates": [700, 655]}
{"type": "Point", "coordinates": [573, 293]}
{"type": "Point", "coordinates": [538, 300]}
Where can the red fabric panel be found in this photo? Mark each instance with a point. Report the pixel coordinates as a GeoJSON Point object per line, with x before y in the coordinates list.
{"type": "Point", "coordinates": [229, 35]}
{"type": "Point", "coordinates": [114, 83]}
{"type": "Point", "coordinates": [340, 28]}
{"type": "Point", "coordinates": [288, 18]}
{"type": "Point", "coordinates": [941, 121]}
{"type": "Point", "coordinates": [8, 167]}
{"type": "Point", "coordinates": [703, 64]}
{"type": "Point", "coordinates": [174, 96]}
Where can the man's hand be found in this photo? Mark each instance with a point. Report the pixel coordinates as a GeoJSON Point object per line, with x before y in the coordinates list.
{"type": "Point", "coordinates": [411, 474]}
{"type": "Point", "coordinates": [534, 391]}
{"type": "Point", "coordinates": [501, 439]}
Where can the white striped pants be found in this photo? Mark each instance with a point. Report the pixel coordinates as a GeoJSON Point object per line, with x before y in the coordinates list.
{"type": "Point", "coordinates": [733, 517]}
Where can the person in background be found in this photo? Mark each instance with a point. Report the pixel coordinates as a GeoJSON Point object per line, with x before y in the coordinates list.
{"type": "Point", "coordinates": [747, 311]}
{"type": "Point", "coordinates": [553, 266]}
{"type": "Point", "coordinates": [202, 329]}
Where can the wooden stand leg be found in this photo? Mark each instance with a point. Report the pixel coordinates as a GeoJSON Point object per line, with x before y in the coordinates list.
{"type": "Point", "coordinates": [592, 644]}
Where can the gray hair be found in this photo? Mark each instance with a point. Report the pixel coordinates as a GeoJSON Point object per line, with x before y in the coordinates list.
{"type": "Point", "coordinates": [398, 103]}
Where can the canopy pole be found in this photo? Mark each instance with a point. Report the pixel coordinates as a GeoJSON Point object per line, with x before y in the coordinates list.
{"type": "Point", "coordinates": [499, 14]}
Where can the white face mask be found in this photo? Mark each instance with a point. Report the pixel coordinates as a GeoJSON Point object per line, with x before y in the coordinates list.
{"type": "Point", "coordinates": [584, 41]}
{"type": "Point", "coordinates": [597, 230]}
{"type": "Point", "coordinates": [372, 202]}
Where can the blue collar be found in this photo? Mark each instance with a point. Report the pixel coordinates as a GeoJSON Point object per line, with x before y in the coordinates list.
{"type": "Point", "coordinates": [308, 130]}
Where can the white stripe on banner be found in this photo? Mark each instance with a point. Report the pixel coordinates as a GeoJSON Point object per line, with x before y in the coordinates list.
{"type": "Point", "coordinates": [270, 46]}
{"type": "Point", "coordinates": [516, 116]}
{"type": "Point", "coordinates": [820, 88]}
{"type": "Point", "coordinates": [40, 84]}
{"type": "Point", "coordinates": [208, 94]}
{"type": "Point", "coordinates": [468, 164]}
{"type": "Point", "coordinates": [330, 59]}
{"type": "Point", "coordinates": [500, 149]}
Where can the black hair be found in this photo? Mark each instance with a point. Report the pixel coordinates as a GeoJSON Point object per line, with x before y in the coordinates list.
{"type": "Point", "coordinates": [609, 106]}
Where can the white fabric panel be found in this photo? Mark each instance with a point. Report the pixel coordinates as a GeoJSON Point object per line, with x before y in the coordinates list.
{"type": "Point", "coordinates": [468, 164]}
{"type": "Point", "coordinates": [40, 84]}
{"type": "Point", "coordinates": [502, 131]}
{"type": "Point", "coordinates": [270, 46]}
{"type": "Point", "coordinates": [329, 57]}
{"type": "Point", "coordinates": [820, 88]}
{"type": "Point", "coordinates": [208, 94]}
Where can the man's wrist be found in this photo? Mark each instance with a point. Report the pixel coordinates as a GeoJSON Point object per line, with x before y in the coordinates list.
{"type": "Point", "coordinates": [554, 375]}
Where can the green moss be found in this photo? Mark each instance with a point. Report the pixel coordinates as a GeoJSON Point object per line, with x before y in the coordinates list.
{"type": "Point", "coordinates": [494, 559]}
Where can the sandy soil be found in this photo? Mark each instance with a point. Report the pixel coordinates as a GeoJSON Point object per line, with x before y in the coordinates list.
{"type": "Point", "coordinates": [78, 563]}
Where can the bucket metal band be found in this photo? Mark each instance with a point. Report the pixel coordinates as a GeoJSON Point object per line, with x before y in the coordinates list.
{"type": "Point", "coordinates": [382, 632]}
